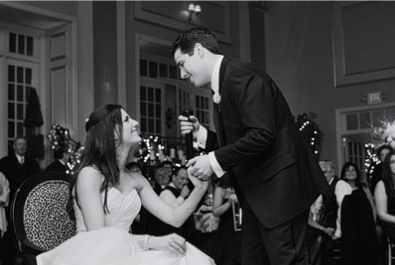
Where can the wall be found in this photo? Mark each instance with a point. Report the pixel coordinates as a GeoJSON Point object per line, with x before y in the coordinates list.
{"type": "Point", "coordinates": [299, 53]}
{"type": "Point", "coordinates": [145, 21]}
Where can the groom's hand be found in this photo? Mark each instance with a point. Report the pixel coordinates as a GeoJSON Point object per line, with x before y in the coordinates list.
{"type": "Point", "coordinates": [200, 167]}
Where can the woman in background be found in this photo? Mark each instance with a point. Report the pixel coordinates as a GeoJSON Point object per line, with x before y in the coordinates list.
{"type": "Point", "coordinates": [107, 197]}
{"type": "Point", "coordinates": [228, 245]}
{"type": "Point", "coordinates": [359, 244]}
{"type": "Point", "coordinates": [384, 195]}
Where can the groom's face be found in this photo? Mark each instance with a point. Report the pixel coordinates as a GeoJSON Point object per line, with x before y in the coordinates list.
{"type": "Point", "coordinates": [192, 67]}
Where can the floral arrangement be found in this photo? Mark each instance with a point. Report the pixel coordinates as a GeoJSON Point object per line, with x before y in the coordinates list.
{"type": "Point", "coordinates": [386, 132]}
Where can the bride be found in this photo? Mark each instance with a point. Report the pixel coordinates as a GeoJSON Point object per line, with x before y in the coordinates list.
{"type": "Point", "coordinates": [107, 197]}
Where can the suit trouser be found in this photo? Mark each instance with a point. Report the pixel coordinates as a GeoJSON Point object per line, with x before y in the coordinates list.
{"type": "Point", "coordinates": [282, 245]}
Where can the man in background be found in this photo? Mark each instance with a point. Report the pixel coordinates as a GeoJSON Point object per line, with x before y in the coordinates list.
{"type": "Point", "coordinates": [62, 155]}
{"type": "Point", "coordinates": [17, 167]}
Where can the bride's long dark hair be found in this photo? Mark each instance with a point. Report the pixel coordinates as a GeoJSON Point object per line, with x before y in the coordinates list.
{"type": "Point", "coordinates": [100, 149]}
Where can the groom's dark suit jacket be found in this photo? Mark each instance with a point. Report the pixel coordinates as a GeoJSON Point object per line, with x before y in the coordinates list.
{"type": "Point", "coordinates": [261, 147]}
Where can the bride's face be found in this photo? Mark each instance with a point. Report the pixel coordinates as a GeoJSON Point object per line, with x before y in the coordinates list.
{"type": "Point", "coordinates": [130, 132]}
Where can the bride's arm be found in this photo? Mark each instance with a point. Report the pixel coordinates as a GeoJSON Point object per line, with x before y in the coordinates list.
{"type": "Point", "coordinates": [88, 195]}
{"type": "Point", "coordinates": [173, 216]}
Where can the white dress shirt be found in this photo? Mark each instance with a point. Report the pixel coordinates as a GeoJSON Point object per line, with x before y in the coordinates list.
{"type": "Point", "coordinates": [202, 133]}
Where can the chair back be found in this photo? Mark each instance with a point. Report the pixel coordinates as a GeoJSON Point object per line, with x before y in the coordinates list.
{"type": "Point", "coordinates": [39, 217]}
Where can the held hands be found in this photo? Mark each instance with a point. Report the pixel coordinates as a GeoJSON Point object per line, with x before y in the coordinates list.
{"type": "Point", "coordinates": [200, 167]}
{"type": "Point", "coordinates": [191, 125]}
{"type": "Point", "coordinates": [172, 242]}
{"type": "Point", "coordinates": [198, 183]}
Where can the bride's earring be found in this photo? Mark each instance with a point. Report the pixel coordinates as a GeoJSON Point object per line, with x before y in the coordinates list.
{"type": "Point", "coordinates": [118, 151]}
{"type": "Point", "coordinates": [117, 147]}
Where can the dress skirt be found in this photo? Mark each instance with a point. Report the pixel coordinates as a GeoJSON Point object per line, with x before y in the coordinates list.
{"type": "Point", "coordinates": [114, 246]}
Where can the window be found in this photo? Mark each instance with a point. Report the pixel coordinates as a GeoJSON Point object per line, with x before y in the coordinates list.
{"type": "Point", "coordinates": [203, 110]}
{"type": "Point", "coordinates": [20, 44]}
{"type": "Point", "coordinates": [151, 110]}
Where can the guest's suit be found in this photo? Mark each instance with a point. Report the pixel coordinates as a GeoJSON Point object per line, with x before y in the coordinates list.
{"type": "Point", "coordinates": [56, 166]}
{"type": "Point", "coordinates": [16, 174]}
{"type": "Point", "coordinates": [275, 175]}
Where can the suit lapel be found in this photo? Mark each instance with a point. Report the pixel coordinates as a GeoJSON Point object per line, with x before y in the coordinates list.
{"type": "Point", "coordinates": [218, 121]}
{"type": "Point", "coordinates": [16, 161]}
{"type": "Point", "coordinates": [219, 125]}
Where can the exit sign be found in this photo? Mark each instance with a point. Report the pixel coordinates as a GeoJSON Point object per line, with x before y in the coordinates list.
{"type": "Point", "coordinates": [374, 98]}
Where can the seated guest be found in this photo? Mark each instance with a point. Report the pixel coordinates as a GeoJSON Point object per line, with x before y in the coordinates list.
{"type": "Point", "coordinates": [62, 155]}
{"type": "Point", "coordinates": [384, 195]}
{"type": "Point", "coordinates": [169, 165]}
{"type": "Point", "coordinates": [176, 192]}
{"type": "Point", "coordinates": [359, 244]}
{"type": "Point", "coordinates": [325, 216]}
{"type": "Point", "coordinates": [150, 224]}
{"type": "Point", "coordinates": [174, 195]}
{"type": "Point", "coordinates": [16, 167]}
{"type": "Point", "coordinates": [135, 167]}
{"type": "Point", "coordinates": [162, 179]}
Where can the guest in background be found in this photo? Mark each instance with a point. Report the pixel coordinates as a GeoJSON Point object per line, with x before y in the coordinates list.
{"type": "Point", "coordinates": [62, 155]}
{"type": "Point", "coordinates": [17, 167]}
{"type": "Point", "coordinates": [162, 179]}
{"type": "Point", "coordinates": [148, 222]}
{"type": "Point", "coordinates": [177, 191]}
{"type": "Point", "coordinates": [359, 244]}
{"type": "Point", "coordinates": [4, 201]}
{"type": "Point", "coordinates": [169, 165]}
{"type": "Point", "coordinates": [325, 216]}
{"type": "Point", "coordinates": [174, 195]}
{"type": "Point", "coordinates": [135, 167]}
{"type": "Point", "coordinates": [384, 195]}
{"type": "Point", "coordinates": [376, 176]}
{"type": "Point", "coordinates": [228, 245]}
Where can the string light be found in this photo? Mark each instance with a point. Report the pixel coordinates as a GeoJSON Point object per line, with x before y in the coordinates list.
{"type": "Point", "coordinates": [59, 136]}
{"type": "Point", "coordinates": [310, 131]}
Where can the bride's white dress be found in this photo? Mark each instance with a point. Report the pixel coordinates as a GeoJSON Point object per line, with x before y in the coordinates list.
{"type": "Point", "coordinates": [113, 245]}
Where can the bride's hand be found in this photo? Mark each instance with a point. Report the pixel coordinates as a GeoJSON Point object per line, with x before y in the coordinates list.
{"type": "Point", "coordinates": [172, 242]}
{"type": "Point", "coordinates": [201, 184]}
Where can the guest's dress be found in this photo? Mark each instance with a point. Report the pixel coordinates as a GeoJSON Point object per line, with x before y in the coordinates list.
{"type": "Point", "coordinates": [359, 242]}
{"type": "Point", "coordinates": [113, 245]}
{"type": "Point", "coordinates": [228, 244]}
{"type": "Point", "coordinates": [389, 228]}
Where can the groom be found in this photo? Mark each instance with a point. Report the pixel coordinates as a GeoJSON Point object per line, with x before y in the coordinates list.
{"type": "Point", "coordinates": [275, 175]}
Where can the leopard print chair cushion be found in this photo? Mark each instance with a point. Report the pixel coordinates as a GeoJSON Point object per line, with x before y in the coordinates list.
{"type": "Point", "coordinates": [47, 223]}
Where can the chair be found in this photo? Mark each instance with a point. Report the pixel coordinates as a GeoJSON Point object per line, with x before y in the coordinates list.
{"type": "Point", "coordinates": [391, 249]}
{"type": "Point", "coordinates": [39, 219]}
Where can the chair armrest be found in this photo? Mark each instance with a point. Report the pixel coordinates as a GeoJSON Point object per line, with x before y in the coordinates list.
{"type": "Point", "coordinates": [29, 248]}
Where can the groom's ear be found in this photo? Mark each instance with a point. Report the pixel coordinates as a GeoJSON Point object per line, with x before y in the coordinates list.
{"type": "Point", "coordinates": [199, 49]}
